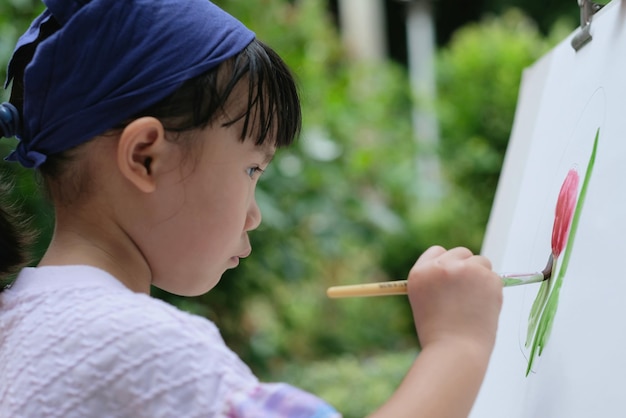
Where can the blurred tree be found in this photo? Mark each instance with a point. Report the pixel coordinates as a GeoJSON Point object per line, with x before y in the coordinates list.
{"type": "Point", "coordinates": [479, 74]}
{"type": "Point", "coordinates": [453, 14]}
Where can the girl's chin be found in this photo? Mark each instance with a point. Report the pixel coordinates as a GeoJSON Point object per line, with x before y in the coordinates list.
{"type": "Point", "coordinates": [201, 284]}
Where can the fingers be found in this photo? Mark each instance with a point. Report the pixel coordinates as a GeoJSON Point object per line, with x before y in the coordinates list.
{"type": "Point", "coordinates": [439, 254]}
{"type": "Point", "coordinates": [431, 253]}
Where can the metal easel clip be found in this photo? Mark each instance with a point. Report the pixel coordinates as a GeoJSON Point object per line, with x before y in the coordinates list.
{"type": "Point", "coordinates": [587, 9]}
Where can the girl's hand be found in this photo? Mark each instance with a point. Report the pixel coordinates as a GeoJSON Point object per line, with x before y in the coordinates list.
{"type": "Point", "coordinates": [455, 297]}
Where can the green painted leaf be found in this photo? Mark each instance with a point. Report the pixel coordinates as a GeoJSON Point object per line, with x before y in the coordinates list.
{"type": "Point", "coordinates": [537, 308]}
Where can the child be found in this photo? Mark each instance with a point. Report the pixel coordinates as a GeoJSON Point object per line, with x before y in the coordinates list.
{"type": "Point", "coordinates": [150, 122]}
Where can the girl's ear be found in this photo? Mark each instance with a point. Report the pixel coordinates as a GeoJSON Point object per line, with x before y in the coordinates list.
{"type": "Point", "coordinates": [142, 152]}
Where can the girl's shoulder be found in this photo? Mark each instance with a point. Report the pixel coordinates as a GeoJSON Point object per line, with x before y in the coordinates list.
{"type": "Point", "coordinates": [86, 302]}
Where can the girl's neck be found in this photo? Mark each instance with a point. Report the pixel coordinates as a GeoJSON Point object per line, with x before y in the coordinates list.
{"type": "Point", "coordinates": [99, 243]}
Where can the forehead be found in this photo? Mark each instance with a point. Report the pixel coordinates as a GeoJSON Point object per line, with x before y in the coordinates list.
{"type": "Point", "coordinates": [266, 150]}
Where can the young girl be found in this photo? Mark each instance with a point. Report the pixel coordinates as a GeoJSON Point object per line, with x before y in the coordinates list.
{"type": "Point", "coordinates": [150, 122]}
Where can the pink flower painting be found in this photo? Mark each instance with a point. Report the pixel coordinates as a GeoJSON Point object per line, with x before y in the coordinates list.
{"type": "Point", "coordinates": [564, 212]}
{"type": "Point", "coordinates": [569, 206]}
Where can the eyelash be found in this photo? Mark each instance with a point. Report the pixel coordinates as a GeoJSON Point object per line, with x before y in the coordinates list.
{"type": "Point", "coordinates": [254, 170]}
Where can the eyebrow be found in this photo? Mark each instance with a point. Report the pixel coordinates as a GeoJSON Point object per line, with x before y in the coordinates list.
{"type": "Point", "coordinates": [268, 154]}
{"type": "Point", "coordinates": [268, 157]}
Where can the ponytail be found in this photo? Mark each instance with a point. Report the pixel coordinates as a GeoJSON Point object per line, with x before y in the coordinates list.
{"type": "Point", "coordinates": [15, 237]}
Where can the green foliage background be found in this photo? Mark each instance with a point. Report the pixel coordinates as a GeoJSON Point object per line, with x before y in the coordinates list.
{"type": "Point", "coordinates": [340, 206]}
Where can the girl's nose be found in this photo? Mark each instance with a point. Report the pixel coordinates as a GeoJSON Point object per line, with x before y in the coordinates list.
{"type": "Point", "coordinates": [253, 220]}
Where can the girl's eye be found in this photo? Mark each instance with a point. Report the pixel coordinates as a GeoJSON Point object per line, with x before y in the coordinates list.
{"type": "Point", "coordinates": [252, 171]}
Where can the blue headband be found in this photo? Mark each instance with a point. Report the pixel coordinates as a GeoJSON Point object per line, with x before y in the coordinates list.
{"type": "Point", "coordinates": [109, 60]}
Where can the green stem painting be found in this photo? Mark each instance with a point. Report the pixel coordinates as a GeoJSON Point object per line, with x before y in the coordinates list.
{"type": "Point", "coordinates": [544, 307]}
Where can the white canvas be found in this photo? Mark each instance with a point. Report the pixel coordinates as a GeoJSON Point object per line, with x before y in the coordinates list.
{"type": "Point", "coordinates": [564, 98]}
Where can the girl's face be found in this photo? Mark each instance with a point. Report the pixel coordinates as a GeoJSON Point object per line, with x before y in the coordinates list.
{"type": "Point", "coordinates": [205, 211]}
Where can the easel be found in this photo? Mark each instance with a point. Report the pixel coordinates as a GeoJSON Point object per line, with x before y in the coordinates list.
{"type": "Point", "coordinates": [587, 10]}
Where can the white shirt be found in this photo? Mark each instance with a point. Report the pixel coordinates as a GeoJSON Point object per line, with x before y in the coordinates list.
{"type": "Point", "coordinates": [75, 342]}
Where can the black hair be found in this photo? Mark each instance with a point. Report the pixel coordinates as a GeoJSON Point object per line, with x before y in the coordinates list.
{"type": "Point", "coordinates": [272, 109]}
{"type": "Point", "coordinates": [271, 113]}
{"type": "Point", "coordinates": [15, 236]}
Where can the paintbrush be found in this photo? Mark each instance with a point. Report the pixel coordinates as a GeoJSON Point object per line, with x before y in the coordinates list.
{"type": "Point", "coordinates": [399, 287]}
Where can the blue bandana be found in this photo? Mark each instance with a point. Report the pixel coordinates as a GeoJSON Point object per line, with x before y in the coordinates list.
{"type": "Point", "coordinates": [109, 60]}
